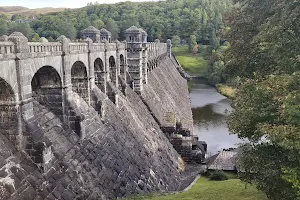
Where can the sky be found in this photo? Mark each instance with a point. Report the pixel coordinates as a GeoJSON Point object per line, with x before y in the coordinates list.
{"type": "Point", "coordinates": [57, 3]}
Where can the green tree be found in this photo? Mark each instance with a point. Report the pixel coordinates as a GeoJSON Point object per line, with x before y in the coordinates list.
{"type": "Point", "coordinates": [175, 40]}
{"type": "Point", "coordinates": [161, 20]}
{"type": "Point", "coordinates": [113, 27]}
{"type": "Point", "coordinates": [35, 38]}
{"type": "Point", "coordinates": [21, 27]}
{"type": "Point", "coordinates": [192, 42]}
{"type": "Point", "coordinates": [98, 23]}
{"type": "Point", "coordinates": [264, 57]}
{"type": "Point", "coordinates": [3, 27]}
{"type": "Point", "coordinates": [4, 17]}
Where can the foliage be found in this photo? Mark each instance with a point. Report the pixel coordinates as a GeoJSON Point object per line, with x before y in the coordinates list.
{"type": "Point", "coordinates": [161, 20]}
{"type": "Point", "coordinates": [3, 27]}
{"type": "Point", "coordinates": [20, 27]}
{"type": "Point", "coordinates": [264, 57]}
{"type": "Point", "coordinates": [218, 176]}
{"type": "Point", "coordinates": [206, 189]}
{"type": "Point", "coordinates": [192, 43]}
{"type": "Point", "coordinates": [4, 17]}
{"type": "Point", "coordinates": [226, 90]}
{"type": "Point", "coordinates": [112, 26]}
{"type": "Point", "coordinates": [35, 38]}
{"type": "Point", "coordinates": [215, 73]}
{"type": "Point", "coordinates": [175, 40]}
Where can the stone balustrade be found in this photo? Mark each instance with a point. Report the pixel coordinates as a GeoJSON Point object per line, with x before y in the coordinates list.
{"type": "Point", "coordinates": [36, 47]}
{"type": "Point", "coordinates": [40, 49]}
{"type": "Point", "coordinates": [78, 47]}
{"type": "Point", "coordinates": [98, 46]}
{"type": "Point", "coordinates": [6, 47]}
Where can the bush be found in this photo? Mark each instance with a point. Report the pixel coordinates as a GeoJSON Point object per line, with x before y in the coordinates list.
{"type": "Point", "coordinates": [218, 176]}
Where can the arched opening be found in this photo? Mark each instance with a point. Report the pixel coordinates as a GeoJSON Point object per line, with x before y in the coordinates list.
{"type": "Point", "coordinates": [99, 74]}
{"type": "Point", "coordinates": [47, 90]}
{"type": "Point", "coordinates": [122, 66]}
{"type": "Point", "coordinates": [8, 112]}
{"type": "Point", "coordinates": [47, 93]}
{"type": "Point", "coordinates": [112, 70]}
{"type": "Point", "coordinates": [79, 80]}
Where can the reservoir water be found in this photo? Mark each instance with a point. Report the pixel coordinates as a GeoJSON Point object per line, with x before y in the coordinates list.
{"type": "Point", "coordinates": [210, 113]}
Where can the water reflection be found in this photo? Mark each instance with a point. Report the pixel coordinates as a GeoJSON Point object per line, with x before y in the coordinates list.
{"type": "Point", "coordinates": [210, 112]}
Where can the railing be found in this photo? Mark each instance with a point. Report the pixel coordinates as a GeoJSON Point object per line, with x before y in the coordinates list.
{"type": "Point", "coordinates": [111, 46]}
{"type": "Point", "coordinates": [36, 47]}
{"type": "Point", "coordinates": [7, 48]}
{"type": "Point", "coordinates": [78, 47]}
{"type": "Point", "coordinates": [155, 49]}
{"type": "Point", "coordinates": [99, 47]}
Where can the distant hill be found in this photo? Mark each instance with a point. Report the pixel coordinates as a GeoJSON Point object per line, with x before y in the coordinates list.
{"type": "Point", "coordinates": [11, 10]}
{"type": "Point", "coordinates": [5, 9]}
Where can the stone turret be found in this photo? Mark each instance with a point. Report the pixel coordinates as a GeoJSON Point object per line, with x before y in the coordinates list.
{"type": "Point", "coordinates": [91, 32]}
{"type": "Point", "coordinates": [20, 41]}
{"type": "Point", "coordinates": [137, 56]}
{"type": "Point", "coordinates": [105, 35]}
{"type": "Point", "coordinates": [134, 35]}
{"type": "Point", "coordinates": [144, 36]}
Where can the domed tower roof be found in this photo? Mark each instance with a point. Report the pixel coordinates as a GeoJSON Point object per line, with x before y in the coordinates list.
{"type": "Point", "coordinates": [133, 29]}
{"type": "Point", "coordinates": [91, 29]}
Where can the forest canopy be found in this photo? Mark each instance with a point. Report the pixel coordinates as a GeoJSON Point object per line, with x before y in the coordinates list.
{"type": "Point", "coordinates": [264, 63]}
{"type": "Point", "coordinates": [162, 20]}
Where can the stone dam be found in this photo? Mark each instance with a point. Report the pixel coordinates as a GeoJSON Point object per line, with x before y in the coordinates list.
{"type": "Point", "coordinates": [94, 119]}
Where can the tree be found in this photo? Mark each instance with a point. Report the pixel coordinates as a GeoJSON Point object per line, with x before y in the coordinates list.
{"type": "Point", "coordinates": [35, 38]}
{"type": "Point", "coordinates": [183, 18]}
{"type": "Point", "coordinates": [175, 40]}
{"type": "Point", "coordinates": [3, 27]}
{"type": "Point", "coordinates": [192, 42]}
{"type": "Point", "coordinates": [98, 23]}
{"type": "Point", "coordinates": [4, 17]}
{"type": "Point", "coordinates": [264, 56]}
{"type": "Point", "coordinates": [21, 27]}
{"type": "Point", "coordinates": [16, 17]}
{"type": "Point", "coordinates": [113, 27]}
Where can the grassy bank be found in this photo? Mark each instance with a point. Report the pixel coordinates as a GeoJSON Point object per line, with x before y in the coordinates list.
{"type": "Point", "coordinates": [204, 189]}
{"type": "Point", "coordinates": [192, 64]}
{"type": "Point", "coordinates": [226, 90]}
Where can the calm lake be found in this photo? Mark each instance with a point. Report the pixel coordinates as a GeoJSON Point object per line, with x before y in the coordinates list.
{"type": "Point", "coordinates": [210, 112]}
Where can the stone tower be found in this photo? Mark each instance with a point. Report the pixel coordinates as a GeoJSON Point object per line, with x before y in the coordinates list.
{"type": "Point", "coordinates": [105, 35]}
{"type": "Point", "coordinates": [92, 33]}
{"type": "Point", "coordinates": [137, 56]}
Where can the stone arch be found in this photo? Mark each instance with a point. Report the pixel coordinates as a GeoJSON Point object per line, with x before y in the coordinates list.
{"type": "Point", "coordinates": [79, 80]}
{"type": "Point", "coordinates": [46, 87]}
{"type": "Point", "coordinates": [122, 66]}
{"type": "Point", "coordinates": [8, 112]}
{"type": "Point", "coordinates": [99, 71]}
{"type": "Point", "coordinates": [112, 70]}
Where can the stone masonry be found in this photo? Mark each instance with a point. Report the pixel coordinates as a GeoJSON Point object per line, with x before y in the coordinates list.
{"type": "Point", "coordinates": [87, 120]}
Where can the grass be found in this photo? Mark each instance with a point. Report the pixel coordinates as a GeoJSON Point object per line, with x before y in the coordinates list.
{"type": "Point", "coordinates": [204, 189]}
{"type": "Point", "coordinates": [192, 64]}
{"type": "Point", "coordinates": [226, 90]}
{"type": "Point", "coordinates": [11, 10]}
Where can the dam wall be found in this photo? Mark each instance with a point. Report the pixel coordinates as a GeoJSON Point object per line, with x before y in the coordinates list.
{"type": "Point", "coordinates": [87, 120]}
